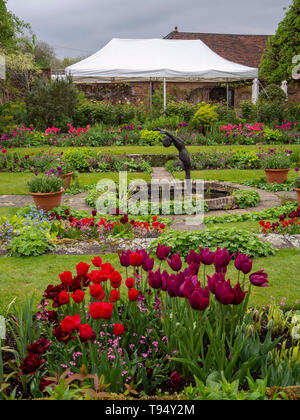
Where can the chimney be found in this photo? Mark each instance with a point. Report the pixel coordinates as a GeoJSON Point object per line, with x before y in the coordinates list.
{"type": "Point", "coordinates": [176, 29]}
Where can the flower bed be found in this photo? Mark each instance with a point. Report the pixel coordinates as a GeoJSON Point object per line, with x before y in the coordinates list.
{"type": "Point", "coordinates": [129, 134]}
{"type": "Point", "coordinates": [83, 160]}
{"type": "Point", "coordinates": [98, 331]}
{"type": "Point", "coordinates": [34, 232]}
{"type": "Point", "coordinates": [286, 225]}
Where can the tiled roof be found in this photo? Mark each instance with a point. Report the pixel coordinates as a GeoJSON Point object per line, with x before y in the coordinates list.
{"type": "Point", "coordinates": [242, 49]}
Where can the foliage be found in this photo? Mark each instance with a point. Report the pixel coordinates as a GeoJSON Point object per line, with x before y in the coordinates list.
{"type": "Point", "coordinates": [45, 184]}
{"type": "Point", "coordinates": [249, 110]}
{"type": "Point", "coordinates": [182, 109]}
{"type": "Point", "coordinates": [272, 187]}
{"type": "Point", "coordinates": [11, 28]}
{"type": "Point", "coordinates": [29, 243]}
{"type": "Point", "coordinates": [205, 116]}
{"type": "Point", "coordinates": [234, 240]}
{"type": "Point", "coordinates": [151, 137]}
{"type": "Point", "coordinates": [272, 93]}
{"type": "Point", "coordinates": [217, 388]}
{"type": "Point", "coordinates": [252, 216]}
{"type": "Point", "coordinates": [79, 158]}
{"type": "Point", "coordinates": [92, 112]}
{"type": "Point", "coordinates": [48, 102]}
{"type": "Point", "coordinates": [246, 198]}
{"type": "Point", "coordinates": [277, 62]}
{"type": "Point", "coordinates": [272, 136]}
{"type": "Point", "coordinates": [21, 67]}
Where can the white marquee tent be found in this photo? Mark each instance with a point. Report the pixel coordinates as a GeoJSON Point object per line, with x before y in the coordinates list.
{"type": "Point", "coordinates": [158, 60]}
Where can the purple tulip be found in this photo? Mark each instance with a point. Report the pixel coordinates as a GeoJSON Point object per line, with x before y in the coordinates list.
{"type": "Point", "coordinates": [206, 257]}
{"type": "Point", "coordinates": [259, 279]}
{"type": "Point", "coordinates": [194, 269]}
{"type": "Point", "coordinates": [239, 295]}
{"type": "Point", "coordinates": [164, 280]}
{"type": "Point", "coordinates": [189, 285]}
{"type": "Point", "coordinates": [162, 252]}
{"type": "Point", "coordinates": [211, 281]}
{"type": "Point", "coordinates": [154, 279]}
{"type": "Point", "coordinates": [221, 260]}
{"type": "Point", "coordinates": [224, 292]}
{"type": "Point", "coordinates": [175, 263]}
{"type": "Point", "coordinates": [243, 263]}
{"type": "Point", "coordinates": [148, 264]}
{"type": "Point", "coordinates": [124, 258]}
{"type": "Point", "coordinates": [193, 257]}
{"type": "Point", "coordinates": [199, 299]}
{"type": "Point", "coordinates": [174, 283]}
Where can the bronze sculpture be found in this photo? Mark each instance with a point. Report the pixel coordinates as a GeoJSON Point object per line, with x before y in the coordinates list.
{"type": "Point", "coordinates": [180, 146]}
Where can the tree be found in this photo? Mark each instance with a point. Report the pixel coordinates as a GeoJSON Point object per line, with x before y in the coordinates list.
{"type": "Point", "coordinates": [42, 52]}
{"type": "Point", "coordinates": [11, 29]}
{"type": "Point", "coordinates": [277, 61]}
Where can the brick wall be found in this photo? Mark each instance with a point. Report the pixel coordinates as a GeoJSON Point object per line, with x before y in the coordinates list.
{"type": "Point", "coordinates": [187, 91]}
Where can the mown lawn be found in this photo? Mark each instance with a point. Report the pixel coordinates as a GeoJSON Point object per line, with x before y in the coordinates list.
{"type": "Point", "coordinates": [160, 150]}
{"type": "Point", "coordinates": [21, 277]}
{"type": "Point", "coordinates": [231, 175]}
{"type": "Point", "coordinates": [16, 183]}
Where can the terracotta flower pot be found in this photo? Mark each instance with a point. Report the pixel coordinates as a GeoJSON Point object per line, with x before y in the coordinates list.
{"type": "Point", "coordinates": [47, 201]}
{"type": "Point", "coordinates": [276, 175]}
{"type": "Point", "coordinates": [298, 195]}
{"type": "Point", "coordinates": [67, 178]}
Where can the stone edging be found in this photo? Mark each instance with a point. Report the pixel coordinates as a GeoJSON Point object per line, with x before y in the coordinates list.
{"type": "Point", "coordinates": [281, 241]}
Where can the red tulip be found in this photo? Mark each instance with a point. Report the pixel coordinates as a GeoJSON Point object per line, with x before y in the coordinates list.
{"type": "Point", "coordinates": [66, 278]}
{"type": "Point", "coordinates": [82, 269]}
{"type": "Point", "coordinates": [119, 329]}
{"type": "Point", "coordinates": [97, 261]}
{"type": "Point", "coordinates": [129, 282]}
{"type": "Point", "coordinates": [78, 296]}
{"type": "Point", "coordinates": [63, 298]}
{"type": "Point", "coordinates": [86, 332]}
{"type": "Point", "coordinates": [135, 259]}
{"type": "Point", "coordinates": [97, 291]}
{"type": "Point", "coordinates": [133, 295]}
{"type": "Point", "coordinates": [70, 323]}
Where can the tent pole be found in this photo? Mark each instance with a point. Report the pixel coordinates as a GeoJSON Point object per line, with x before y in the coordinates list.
{"type": "Point", "coordinates": [150, 96]}
{"type": "Point", "coordinates": [165, 94]}
{"type": "Point", "coordinates": [227, 94]}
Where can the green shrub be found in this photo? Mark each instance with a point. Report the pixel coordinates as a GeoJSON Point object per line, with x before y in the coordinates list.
{"type": "Point", "coordinates": [248, 110]}
{"type": "Point", "coordinates": [29, 243]}
{"type": "Point", "coordinates": [183, 109]}
{"type": "Point", "coordinates": [49, 102]}
{"type": "Point", "coordinates": [150, 138]}
{"type": "Point", "coordinates": [205, 116]}
{"type": "Point", "coordinates": [272, 93]}
{"type": "Point", "coordinates": [246, 198]}
{"type": "Point", "coordinates": [79, 158]}
{"type": "Point", "coordinates": [92, 112]}
{"type": "Point", "coordinates": [272, 136]}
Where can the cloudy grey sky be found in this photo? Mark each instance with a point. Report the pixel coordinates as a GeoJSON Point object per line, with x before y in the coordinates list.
{"type": "Point", "coordinates": [80, 27]}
